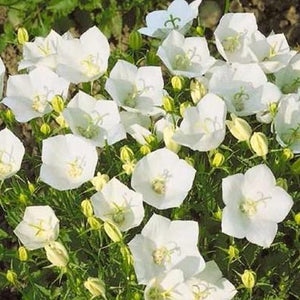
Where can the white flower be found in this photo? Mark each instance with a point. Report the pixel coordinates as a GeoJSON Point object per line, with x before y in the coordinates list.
{"type": "Point", "coordinates": [68, 161]}
{"type": "Point", "coordinates": [11, 154]}
{"type": "Point", "coordinates": [270, 98]}
{"type": "Point", "coordinates": [272, 52]}
{"type": "Point", "coordinates": [168, 285]}
{"type": "Point", "coordinates": [118, 204]}
{"type": "Point", "coordinates": [2, 74]}
{"type": "Point", "coordinates": [165, 245]}
{"type": "Point", "coordinates": [28, 95]}
{"type": "Point", "coordinates": [240, 86]}
{"type": "Point", "coordinates": [38, 227]}
{"type": "Point", "coordinates": [84, 59]}
{"type": "Point", "coordinates": [287, 122]}
{"type": "Point", "coordinates": [95, 120]}
{"type": "Point", "coordinates": [41, 52]}
{"type": "Point", "coordinates": [234, 36]}
{"type": "Point", "coordinates": [163, 178]}
{"type": "Point", "coordinates": [188, 57]}
{"type": "Point", "coordinates": [210, 284]}
{"type": "Point", "coordinates": [179, 15]}
{"type": "Point", "coordinates": [203, 127]}
{"type": "Point", "coordinates": [254, 205]}
{"type": "Point", "coordinates": [136, 125]}
{"type": "Point", "coordinates": [136, 89]}
{"type": "Point", "coordinates": [288, 78]}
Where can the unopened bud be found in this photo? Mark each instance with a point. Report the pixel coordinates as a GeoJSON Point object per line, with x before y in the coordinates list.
{"type": "Point", "coordinates": [57, 254]}
{"type": "Point", "coordinates": [287, 154]}
{"type": "Point", "coordinates": [22, 36]}
{"type": "Point", "coordinates": [86, 208]}
{"type": "Point", "coordinates": [168, 104]}
{"type": "Point", "coordinates": [135, 40]}
{"type": "Point", "coordinates": [45, 129]}
{"type": "Point", "coordinates": [95, 286]}
{"type": "Point", "coordinates": [233, 253]}
{"type": "Point", "coordinates": [126, 154]}
{"type": "Point", "coordinates": [112, 231]}
{"type": "Point", "coordinates": [177, 83]}
{"type": "Point", "coordinates": [11, 277]}
{"type": "Point", "coordinates": [282, 182]}
{"type": "Point", "coordinates": [60, 120]}
{"type": "Point", "coordinates": [22, 253]}
{"type": "Point", "coordinates": [145, 149]}
{"type": "Point", "coordinates": [259, 143]}
{"type": "Point", "coordinates": [218, 160]}
{"type": "Point", "coordinates": [198, 90]}
{"type": "Point", "coordinates": [248, 279]}
{"type": "Point", "coordinates": [239, 128]}
{"type": "Point", "coordinates": [297, 218]}
{"type": "Point", "coordinates": [58, 103]}
{"type": "Point", "coordinates": [94, 223]}
{"type": "Point", "coordinates": [183, 106]}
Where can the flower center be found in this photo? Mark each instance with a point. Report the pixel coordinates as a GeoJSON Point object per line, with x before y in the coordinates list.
{"type": "Point", "coordinates": [161, 256]}
{"type": "Point", "coordinates": [39, 103]}
{"type": "Point", "coordinates": [159, 185]}
{"type": "Point", "coordinates": [172, 21]}
{"type": "Point", "coordinates": [239, 99]}
{"type": "Point", "coordinates": [40, 230]}
{"type": "Point", "coordinates": [231, 43]}
{"type": "Point", "coordinates": [90, 67]}
{"type": "Point", "coordinates": [205, 125]}
{"type": "Point", "coordinates": [75, 169]}
{"type": "Point", "coordinates": [249, 207]}
{"type": "Point", "coordinates": [118, 215]}
{"type": "Point", "coordinates": [157, 293]}
{"type": "Point", "coordinates": [44, 48]}
{"type": "Point", "coordinates": [201, 291]}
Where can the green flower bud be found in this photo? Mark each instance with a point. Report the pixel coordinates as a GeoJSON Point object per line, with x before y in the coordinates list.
{"type": "Point", "coordinates": [183, 107]}
{"type": "Point", "coordinates": [112, 231]}
{"type": "Point", "coordinates": [296, 167]}
{"type": "Point", "coordinates": [233, 253]}
{"type": "Point", "coordinates": [197, 90]}
{"type": "Point", "coordinates": [282, 182]}
{"type": "Point", "coordinates": [94, 223]}
{"type": "Point", "coordinates": [145, 149]}
{"type": "Point", "coordinates": [11, 277]}
{"type": "Point", "coordinates": [135, 40]}
{"type": "Point", "coordinates": [287, 154]}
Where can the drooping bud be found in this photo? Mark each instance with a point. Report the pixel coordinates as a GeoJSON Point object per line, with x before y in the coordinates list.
{"type": "Point", "coordinates": [239, 128]}
{"type": "Point", "coordinates": [45, 129]}
{"type": "Point", "coordinates": [259, 143]}
{"type": "Point", "coordinates": [95, 286]}
{"type": "Point", "coordinates": [112, 231]}
{"type": "Point", "coordinates": [57, 254]}
{"type": "Point", "coordinates": [218, 160]}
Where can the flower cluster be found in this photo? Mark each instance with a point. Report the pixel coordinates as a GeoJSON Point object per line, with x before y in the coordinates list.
{"type": "Point", "coordinates": [258, 76]}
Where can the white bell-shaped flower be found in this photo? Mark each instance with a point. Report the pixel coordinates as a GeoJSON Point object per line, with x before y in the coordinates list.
{"type": "Point", "coordinates": [95, 120]}
{"type": "Point", "coordinates": [68, 161]}
{"type": "Point", "coordinates": [188, 57]}
{"type": "Point", "coordinates": [11, 154]}
{"type": "Point", "coordinates": [179, 15]}
{"type": "Point", "coordinates": [163, 178]}
{"type": "Point", "coordinates": [38, 227]}
{"type": "Point", "coordinates": [254, 205]}
{"type": "Point", "coordinates": [135, 89]}
{"type": "Point", "coordinates": [165, 245]}
{"type": "Point", "coordinates": [29, 95]}
{"type": "Point", "coordinates": [118, 204]}
{"type": "Point", "coordinates": [203, 127]}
